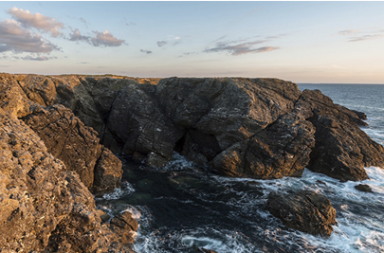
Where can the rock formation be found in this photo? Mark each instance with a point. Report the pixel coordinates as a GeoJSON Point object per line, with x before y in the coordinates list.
{"type": "Point", "coordinates": [50, 155]}
{"type": "Point", "coordinates": [44, 204]}
{"type": "Point", "coordinates": [259, 128]}
{"type": "Point", "coordinates": [304, 210]}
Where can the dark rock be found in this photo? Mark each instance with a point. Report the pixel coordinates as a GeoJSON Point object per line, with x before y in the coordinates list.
{"type": "Point", "coordinates": [139, 124]}
{"type": "Point", "coordinates": [108, 172]}
{"type": "Point", "coordinates": [342, 149]}
{"type": "Point", "coordinates": [261, 128]}
{"type": "Point", "coordinates": [304, 210]}
{"type": "Point", "coordinates": [155, 160]}
{"type": "Point", "coordinates": [282, 149]}
{"type": "Point", "coordinates": [363, 188]}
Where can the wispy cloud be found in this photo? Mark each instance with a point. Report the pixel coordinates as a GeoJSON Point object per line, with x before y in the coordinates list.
{"type": "Point", "coordinates": [105, 39]}
{"type": "Point", "coordinates": [366, 37]}
{"type": "Point", "coordinates": [172, 40]}
{"type": "Point", "coordinates": [37, 58]}
{"type": "Point", "coordinates": [240, 48]}
{"type": "Point", "coordinates": [15, 38]}
{"type": "Point", "coordinates": [145, 51]}
{"type": "Point", "coordinates": [161, 43]}
{"type": "Point", "coordinates": [82, 20]}
{"type": "Point", "coordinates": [37, 20]}
{"type": "Point", "coordinates": [76, 36]}
{"type": "Point", "coordinates": [360, 35]}
{"type": "Point", "coordinates": [348, 32]}
{"type": "Point", "coordinates": [101, 39]}
{"type": "Point", "coordinates": [188, 53]}
{"type": "Point", "coordinates": [130, 23]}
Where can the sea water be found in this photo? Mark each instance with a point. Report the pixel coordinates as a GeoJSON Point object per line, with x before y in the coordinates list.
{"type": "Point", "coordinates": [183, 208]}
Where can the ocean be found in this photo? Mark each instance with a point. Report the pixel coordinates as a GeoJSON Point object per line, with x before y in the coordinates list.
{"type": "Point", "coordinates": [183, 208]}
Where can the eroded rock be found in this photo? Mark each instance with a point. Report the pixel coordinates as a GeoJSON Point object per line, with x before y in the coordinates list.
{"type": "Point", "coordinates": [306, 211]}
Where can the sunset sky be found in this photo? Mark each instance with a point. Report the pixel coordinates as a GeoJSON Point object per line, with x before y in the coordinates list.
{"type": "Point", "coordinates": [318, 42]}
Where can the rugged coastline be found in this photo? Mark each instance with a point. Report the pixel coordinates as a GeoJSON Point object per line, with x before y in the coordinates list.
{"type": "Point", "coordinates": [257, 128]}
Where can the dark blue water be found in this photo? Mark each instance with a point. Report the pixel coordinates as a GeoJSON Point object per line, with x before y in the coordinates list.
{"type": "Point", "coordinates": [183, 208]}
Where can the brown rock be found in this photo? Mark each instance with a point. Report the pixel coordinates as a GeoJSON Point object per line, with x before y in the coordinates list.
{"type": "Point", "coordinates": [304, 210]}
{"type": "Point", "coordinates": [108, 172]}
{"type": "Point", "coordinates": [125, 226]}
{"type": "Point", "coordinates": [68, 139]}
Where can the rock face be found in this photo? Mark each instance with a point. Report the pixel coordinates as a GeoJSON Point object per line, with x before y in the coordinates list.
{"type": "Point", "coordinates": [44, 205]}
{"type": "Point", "coordinates": [304, 210]}
{"type": "Point", "coordinates": [342, 149]}
{"type": "Point", "coordinates": [77, 145]}
{"type": "Point", "coordinates": [259, 128]}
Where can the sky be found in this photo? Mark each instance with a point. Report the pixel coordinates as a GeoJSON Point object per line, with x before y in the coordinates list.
{"type": "Point", "coordinates": [303, 42]}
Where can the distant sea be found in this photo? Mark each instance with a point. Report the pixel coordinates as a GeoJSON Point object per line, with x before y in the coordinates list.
{"type": "Point", "coordinates": [182, 208]}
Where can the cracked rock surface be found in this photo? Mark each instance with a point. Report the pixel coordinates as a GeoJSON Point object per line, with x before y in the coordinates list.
{"type": "Point", "coordinates": [306, 211]}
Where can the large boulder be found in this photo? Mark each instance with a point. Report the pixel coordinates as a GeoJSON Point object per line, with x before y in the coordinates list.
{"type": "Point", "coordinates": [306, 211]}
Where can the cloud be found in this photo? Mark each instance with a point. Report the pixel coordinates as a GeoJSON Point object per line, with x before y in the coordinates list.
{"type": "Point", "coordinates": [187, 53]}
{"type": "Point", "coordinates": [145, 51]}
{"type": "Point", "coordinates": [161, 43]}
{"type": "Point", "coordinates": [17, 39]}
{"type": "Point", "coordinates": [84, 21]}
{"type": "Point", "coordinates": [365, 35]}
{"type": "Point", "coordinates": [130, 23]}
{"type": "Point", "coordinates": [105, 39]}
{"type": "Point", "coordinates": [348, 32]}
{"type": "Point", "coordinates": [76, 36]}
{"type": "Point", "coordinates": [101, 39]}
{"type": "Point", "coordinates": [37, 58]}
{"type": "Point", "coordinates": [37, 20]}
{"type": "Point", "coordinates": [239, 49]}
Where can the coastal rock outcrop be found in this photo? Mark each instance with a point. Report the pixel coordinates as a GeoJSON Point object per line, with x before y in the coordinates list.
{"type": "Point", "coordinates": [306, 211]}
{"type": "Point", "coordinates": [77, 145]}
{"type": "Point", "coordinates": [260, 128]}
{"type": "Point", "coordinates": [44, 206]}
{"type": "Point", "coordinates": [342, 149]}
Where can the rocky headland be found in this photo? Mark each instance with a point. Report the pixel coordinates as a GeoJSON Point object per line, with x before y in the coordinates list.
{"type": "Point", "coordinates": [60, 134]}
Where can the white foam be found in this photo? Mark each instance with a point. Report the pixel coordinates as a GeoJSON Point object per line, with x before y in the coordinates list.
{"type": "Point", "coordinates": [125, 189]}
{"type": "Point", "coordinates": [179, 162]}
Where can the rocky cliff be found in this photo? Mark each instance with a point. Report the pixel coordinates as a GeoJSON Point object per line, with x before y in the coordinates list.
{"type": "Point", "coordinates": [48, 160]}
{"type": "Point", "coordinates": [259, 128]}
{"type": "Point", "coordinates": [51, 156]}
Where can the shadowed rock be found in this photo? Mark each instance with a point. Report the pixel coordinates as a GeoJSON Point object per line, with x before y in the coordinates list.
{"type": "Point", "coordinates": [304, 210]}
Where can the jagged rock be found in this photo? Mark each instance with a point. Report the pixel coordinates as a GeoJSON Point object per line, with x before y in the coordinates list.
{"type": "Point", "coordinates": [306, 211]}
{"type": "Point", "coordinates": [108, 172]}
{"type": "Point", "coordinates": [68, 139]}
{"type": "Point", "coordinates": [124, 225]}
{"type": "Point", "coordinates": [227, 122]}
{"type": "Point", "coordinates": [155, 160]}
{"type": "Point", "coordinates": [43, 206]}
{"type": "Point", "coordinates": [342, 149]}
{"type": "Point", "coordinates": [139, 124]}
{"type": "Point", "coordinates": [282, 149]}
